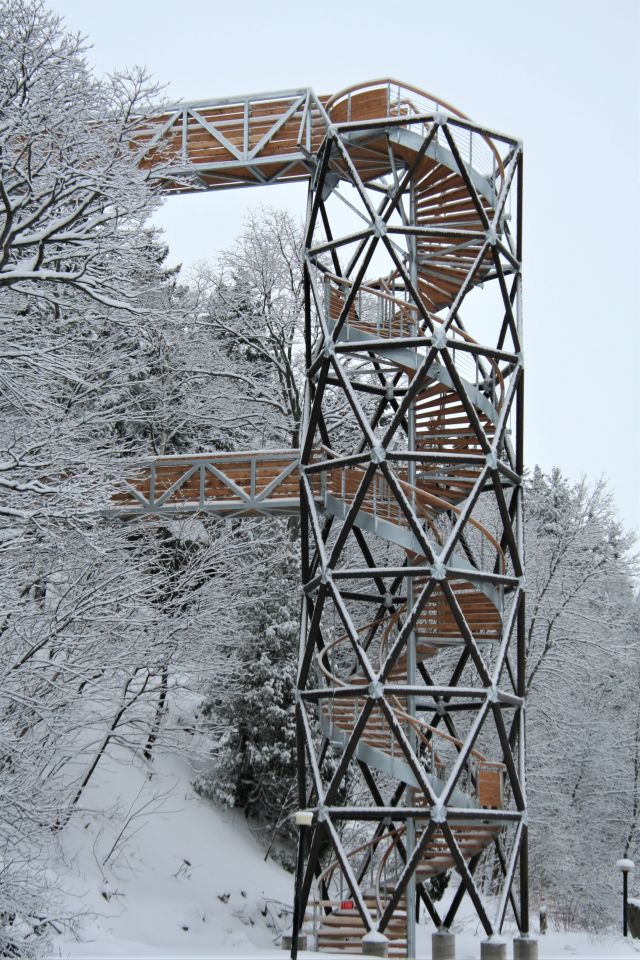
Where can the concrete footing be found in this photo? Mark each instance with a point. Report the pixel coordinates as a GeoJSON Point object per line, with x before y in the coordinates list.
{"type": "Point", "coordinates": [375, 944]}
{"type": "Point", "coordinates": [525, 948]}
{"type": "Point", "coordinates": [287, 939]}
{"type": "Point", "coordinates": [493, 949]}
{"type": "Point", "coordinates": [443, 945]}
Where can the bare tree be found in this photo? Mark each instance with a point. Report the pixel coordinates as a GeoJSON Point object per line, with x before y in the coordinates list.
{"type": "Point", "coordinates": [583, 654]}
{"type": "Point", "coordinates": [86, 630]}
{"type": "Point", "coordinates": [251, 309]}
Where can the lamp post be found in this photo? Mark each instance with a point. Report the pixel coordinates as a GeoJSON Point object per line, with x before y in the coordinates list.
{"type": "Point", "coordinates": [626, 867]}
{"type": "Point", "coordinates": [303, 819]}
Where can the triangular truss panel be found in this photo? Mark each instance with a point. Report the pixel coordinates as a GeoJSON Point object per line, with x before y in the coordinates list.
{"type": "Point", "coordinates": [412, 685]}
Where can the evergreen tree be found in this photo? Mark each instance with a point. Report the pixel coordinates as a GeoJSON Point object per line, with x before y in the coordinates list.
{"type": "Point", "coordinates": [255, 759]}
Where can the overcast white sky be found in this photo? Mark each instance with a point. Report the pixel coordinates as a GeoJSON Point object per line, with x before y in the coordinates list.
{"type": "Point", "coordinates": [561, 74]}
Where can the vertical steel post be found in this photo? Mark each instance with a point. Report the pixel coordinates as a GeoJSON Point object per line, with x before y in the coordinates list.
{"type": "Point", "coordinates": [411, 642]}
{"type": "Point", "coordinates": [297, 919]}
{"type": "Point", "coordinates": [304, 620]}
{"type": "Point", "coordinates": [521, 624]}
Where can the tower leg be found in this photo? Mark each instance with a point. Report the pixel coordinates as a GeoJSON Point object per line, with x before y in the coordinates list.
{"type": "Point", "coordinates": [375, 945]}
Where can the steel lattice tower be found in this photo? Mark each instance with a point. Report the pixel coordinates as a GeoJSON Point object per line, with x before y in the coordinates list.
{"type": "Point", "coordinates": [433, 459]}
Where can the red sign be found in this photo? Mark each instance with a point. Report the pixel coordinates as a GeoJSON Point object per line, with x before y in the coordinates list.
{"type": "Point", "coordinates": [346, 904]}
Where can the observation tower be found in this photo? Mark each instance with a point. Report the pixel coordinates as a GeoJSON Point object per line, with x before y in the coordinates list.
{"type": "Point", "coordinates": [411, 674]}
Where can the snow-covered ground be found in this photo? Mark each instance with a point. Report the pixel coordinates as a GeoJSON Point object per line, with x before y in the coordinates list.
{"type": "Point", "coordinates": [172, 876]}
{"type": "Point", "coordinates": [184, 879]}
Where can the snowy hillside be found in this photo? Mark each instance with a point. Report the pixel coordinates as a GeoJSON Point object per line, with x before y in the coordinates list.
{"type": "Point", "coordinates": [169, 875]}
{"type": "Point", "coordinates": [158, 872]}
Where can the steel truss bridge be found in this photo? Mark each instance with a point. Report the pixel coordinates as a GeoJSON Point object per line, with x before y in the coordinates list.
{"type": "Point", "coordinates": [411, 679]}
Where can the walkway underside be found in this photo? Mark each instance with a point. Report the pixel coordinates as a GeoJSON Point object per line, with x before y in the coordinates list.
{"type": "Point", "coordinates": [410, 697]}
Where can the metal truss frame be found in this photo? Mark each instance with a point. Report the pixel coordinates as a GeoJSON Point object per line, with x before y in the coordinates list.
{"type": "Point", "coordinates": [253, 483]}
{"type": "Point", "coordinates": [249, 140]}
{"type": "Point", "coordinates": [497, 694]}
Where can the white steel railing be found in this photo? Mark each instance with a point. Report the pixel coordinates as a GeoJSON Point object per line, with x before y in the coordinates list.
{"type": "Point", "coordinates": [381, 313]}
{"type": "Point", "coordinates": [477, 150]}
{"type": "Point", "coordinates": [241, 131]}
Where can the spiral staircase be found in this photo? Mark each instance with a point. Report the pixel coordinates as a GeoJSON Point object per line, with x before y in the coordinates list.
{"type": "Point", "coordinates": [442, 425]}
{"type": "Point", "coordinates": [411, 483]}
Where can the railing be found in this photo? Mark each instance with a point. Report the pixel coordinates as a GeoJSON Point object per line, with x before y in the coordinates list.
{"type": "Point", "coordinates": [382, 314]}
{"type": "Point", "coordinates": [231, 139]}
{"type": "Point", "coordinates": [484, 775]}
{"type": "Point", "coordinates": [260, 481]}
{"type": "Point", "coordinates": [344, 482]}
{"type": "Point", "coordinates": [488, 790]}
{"type": "Point", "coordinates": [391, 98]}
{"type": "Point", "coordinates": [331, 897]}
{"type": "Point", "coordinates": [234, 137]}
{"type": "Point", "coordinates": [373, 310]}
{"type": "Point", "coordinates": [330, 892]}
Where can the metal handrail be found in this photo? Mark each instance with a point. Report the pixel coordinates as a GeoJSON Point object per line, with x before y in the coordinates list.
{"type": "Point", "coordinates": [390, 82]}
{"type": "Point", "coordinates": [404, 307]}
{"type": "Point", "coordinates": [426, 499]}
{"type": "Point", "coordinates": [325, 877]}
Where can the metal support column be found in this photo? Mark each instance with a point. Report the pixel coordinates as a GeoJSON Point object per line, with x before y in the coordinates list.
{"type": "Point", "coordinates": [411, 642]}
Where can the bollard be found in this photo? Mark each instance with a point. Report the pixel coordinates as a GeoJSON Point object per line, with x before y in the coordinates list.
{"type": "Point", "coordinates": [543, 917]}
{"type": "Point", "coordinates": [626, 866]}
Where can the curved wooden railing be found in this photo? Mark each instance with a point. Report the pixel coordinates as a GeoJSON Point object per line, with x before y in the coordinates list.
{"type": "Point", "coordinates": [398, 319]}
{"type": "Point", "coordinates": [386, 96]}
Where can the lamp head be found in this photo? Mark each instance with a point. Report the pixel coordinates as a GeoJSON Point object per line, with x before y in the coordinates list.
{"type": "Point", "coordinates": [303, 818]}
